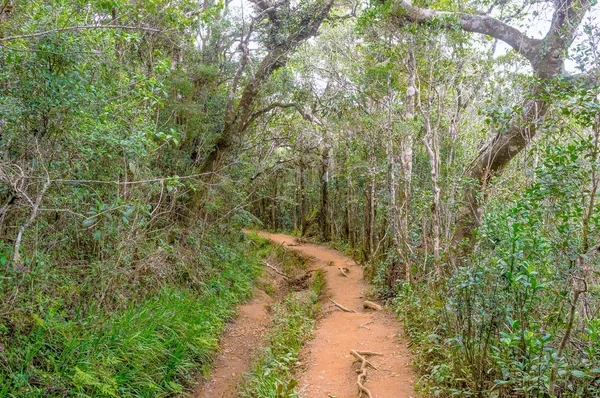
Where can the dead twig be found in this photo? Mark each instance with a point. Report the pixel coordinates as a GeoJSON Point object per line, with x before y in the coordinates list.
{"type": "Point", "coordinates": [266, 264]}
{"type": "Point", "coordinates": [341, 307]}
{"type": "Point", "coordinates": [344, 271]}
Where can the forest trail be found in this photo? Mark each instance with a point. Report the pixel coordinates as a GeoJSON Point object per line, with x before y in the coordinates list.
{"type": "Point", "coordinates": [241, 342]}
{"type": "Point", "coordinates": [328, 366]}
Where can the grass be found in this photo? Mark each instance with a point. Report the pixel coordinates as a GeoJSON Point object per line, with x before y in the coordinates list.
{"type": "Point", "coordinates": [272, 375]}
{"type": "Point", "coordinates": [151, 346]}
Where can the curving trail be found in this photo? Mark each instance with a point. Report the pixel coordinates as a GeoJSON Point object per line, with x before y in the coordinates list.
{"type": "Point", "coordinates": [329, 370]}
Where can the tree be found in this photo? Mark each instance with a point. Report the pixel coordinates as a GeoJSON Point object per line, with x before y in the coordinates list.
{"type": "Point", "coordinates": [546, 56]}
{"type": "Point", "coordinates": [286, 29]}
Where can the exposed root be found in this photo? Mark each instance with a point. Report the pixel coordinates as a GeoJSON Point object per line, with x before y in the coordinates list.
{"type": "Point", "coordinates": [341, 307]}
{"type": "Point", "coordinates": [344, 271]}
{"type": "Point", "coordinates": [301, 241]}
{"type": "Point", "coordinates": [362, 376]}
{"type": "Point", "coordinates": [372, 305]}
{"type": "Point", "coordinates": [364, 325]}
{"type": "Point", "coordinates": [301, 283]}
{"type": "Point", "coordinates": [266, 264]}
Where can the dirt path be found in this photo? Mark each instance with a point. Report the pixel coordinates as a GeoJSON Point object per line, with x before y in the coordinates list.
{"type": "Point", "coordinates": [328, 366]}
{"type": "Point", "coordinates": [242, 340]}
{"type": "Point", "coordinates": [329, 370]}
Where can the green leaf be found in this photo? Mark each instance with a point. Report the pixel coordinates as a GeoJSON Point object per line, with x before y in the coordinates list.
{"type": "Point", "coordinates": [578, 373]}
{"type": "Point", "coordinates": [88, 222]}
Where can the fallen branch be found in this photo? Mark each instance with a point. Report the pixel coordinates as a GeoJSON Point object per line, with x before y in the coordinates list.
{"type": "Point", "coordinates": [344, 271]}
{"type": "Point", "coordinates": [362, 376]}
{"type": "Point", "coordinates": [266, 264]}
{"type": "Point", "coordinates": [372, 305]}
{"type": "Point", "coordinates": [341, 307]}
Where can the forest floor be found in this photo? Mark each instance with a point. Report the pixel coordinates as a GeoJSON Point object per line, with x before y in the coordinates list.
{"type": "Point", "coordinates": [328, 369]}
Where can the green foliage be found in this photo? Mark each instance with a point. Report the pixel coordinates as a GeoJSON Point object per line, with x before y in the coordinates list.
{"type": "Point", "coordinates": [152, 344]}
{"type": "Point", "coordinates": [497, 325]}
{"type": "Point", "coordinates": [117, 295]}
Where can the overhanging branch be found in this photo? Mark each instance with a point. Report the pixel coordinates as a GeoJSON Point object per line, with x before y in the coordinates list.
{"type": "Point", "coordinates": [483, 24]}
{"type": "Point", "coordinates": [309, 117]}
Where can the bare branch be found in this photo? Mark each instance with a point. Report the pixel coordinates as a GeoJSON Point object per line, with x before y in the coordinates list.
{"type": "Point", "coordinates": [34, 212]}
{"type": "Point", "coordinates": [306, 115]}
{"type": "Point", "coordinates": [525, 45]}
{"type": "Point", "coordinates": [565, 21]}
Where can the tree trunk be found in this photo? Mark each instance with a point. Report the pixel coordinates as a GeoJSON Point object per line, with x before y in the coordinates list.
{"type": "Point", "coordinates": [372, 223]}
{"type": "Point", "coordinates": [274, 204]}
{"type": "Point", "coordinates": [303, 202]}
{"type": "Point", "coordinates": [350, 214]}
{"type": "Point", "coordinates": [297, 207]}
{"type": "Point", "coordinates": [238, 118]}
{"type": "Point", "coordinates": [491, 162]}
{"type": "Point", "coordinates": [432, 144]}
{"type": "Point", "coordinates": [324, 219]}
{"type": "Point", "coordinates": [370, 218]}
{"type": "Point", "coordinates": [406, 158]}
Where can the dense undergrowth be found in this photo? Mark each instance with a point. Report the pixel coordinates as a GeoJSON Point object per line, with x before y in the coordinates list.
{"type": "Point", "coordinates": [521, 317]}
{"type": "Point", "coordinates": [59, 340]}
{"type": "Point", "coordinates": [120, 266]}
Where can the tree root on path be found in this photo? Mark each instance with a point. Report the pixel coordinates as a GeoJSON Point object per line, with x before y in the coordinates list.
{"type": "Point", "coordinates": [266, 264]}
{"type": "Point", "coordinates": [344, 271]}
{"type": "Point", "coordinates": [364, 325]}
{"type": "Point", "coordinates": [362, 376]}
{"type": "Point", "coordinates": [372, 305]}
{"type": "Point", "coordinates": [341, 307]}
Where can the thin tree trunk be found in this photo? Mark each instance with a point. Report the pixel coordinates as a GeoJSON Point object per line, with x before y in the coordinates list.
{"type": "Point", "coordinates": [432, 144]}
{"type": "Point", "coordinates": [303, 201]}
{"type": "Point", "coordinates": [324, 219]}
{"type": "Point", "coordinates": [372, 222]}
{"type": "Point", "coordinates": [274, 204]}
{"type": "Point", "coordinates": [406, 158]}
{"type": "Point", "coordinates": [17, 263]}
{"type": "Point", "coordinates": [297, 207]}
{"type": "Point", "coordinates": [350, 217]}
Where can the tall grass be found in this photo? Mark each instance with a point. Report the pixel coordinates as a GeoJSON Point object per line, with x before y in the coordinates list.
{"type": "Point", "coordinates": [151, 346]}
